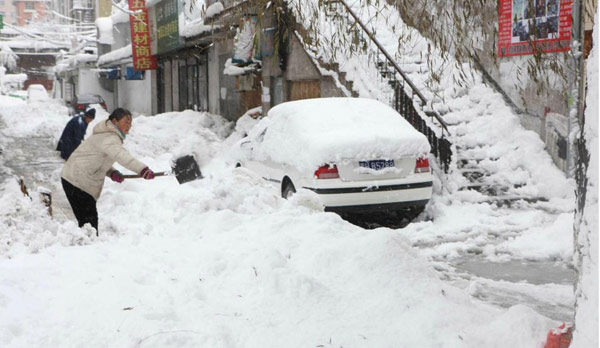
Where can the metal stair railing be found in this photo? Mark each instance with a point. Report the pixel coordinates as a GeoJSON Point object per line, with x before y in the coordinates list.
{"type": "Point", "coordinates": [405, 103]}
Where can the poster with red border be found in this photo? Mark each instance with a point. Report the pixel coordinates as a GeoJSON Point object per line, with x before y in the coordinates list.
{"type": "Point", "coordinates": [140, 37]}
{"type": "Point", "coordinates": [525, 26]}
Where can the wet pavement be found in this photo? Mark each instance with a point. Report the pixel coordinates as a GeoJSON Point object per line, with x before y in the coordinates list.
{"type": "Point", "coordinates": [546, 286]}
{"type": "Point", "coordinates": [532, 272]}
{"type": "Point", "coordinates": [35, 161]}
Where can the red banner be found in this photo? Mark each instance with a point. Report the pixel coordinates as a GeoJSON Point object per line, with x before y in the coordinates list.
{"type": "Point", "coordinates": [526, 26]}
{"type": "Point", "coordinates": [140, 37]}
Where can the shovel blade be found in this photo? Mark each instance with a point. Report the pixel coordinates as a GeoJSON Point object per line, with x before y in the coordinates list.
{"type": "Point", "coordinates": [186, 169]}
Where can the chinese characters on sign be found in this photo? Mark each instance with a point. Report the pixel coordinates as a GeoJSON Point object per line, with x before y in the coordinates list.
{"type": "Point", "coordinates": [167, 22]}
{"type": "Point", "coordinates": [525, 26]}
{"type": "Point", "coordinates": [140, 36]}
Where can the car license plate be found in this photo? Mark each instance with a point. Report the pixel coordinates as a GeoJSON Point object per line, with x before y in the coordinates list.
{"type": "Point", "coordinates": [376, 164]}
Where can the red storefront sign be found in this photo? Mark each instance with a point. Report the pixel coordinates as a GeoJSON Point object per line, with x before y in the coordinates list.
{"type": "Point", "coordinates": [140, 36]}
{"type": "Point", "coordinates": [525, 26]}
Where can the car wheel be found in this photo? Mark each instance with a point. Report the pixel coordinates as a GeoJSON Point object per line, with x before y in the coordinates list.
{"type": "Point", "coordinates": [288, 189]}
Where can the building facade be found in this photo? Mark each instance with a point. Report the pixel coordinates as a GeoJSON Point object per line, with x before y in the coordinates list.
{"type": "Point", "coordinates": [8, 10]}
{"type": "Point", "coordinates": [31, 10]}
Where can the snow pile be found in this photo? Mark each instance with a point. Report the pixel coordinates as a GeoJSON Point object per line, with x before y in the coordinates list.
{"type": "Point", "coordinates": [218, 260]}
{"type": "Point", "coordinates": [44, 118]}
{"type": "Point", "coordinates": [309, 133]}
{"type": "Point", "coordinates": [244, 124]}
{"type": "Point", "coordinates": [26, 227]}
{"type": "Point", "coordinates": [541, 242]}
{"type": "Point", "coordinates": [223, 260]}
{"type": "Point", "coordinates": [586, 316]}
{"type": "Point", "coordinates": [203, 135]}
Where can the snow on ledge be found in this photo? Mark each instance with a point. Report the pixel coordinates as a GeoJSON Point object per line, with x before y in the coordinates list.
{"type": "Point", "coordinates": [214, 10]}
{"type": "Point", "coordinates": [196, 28]}
{"type": "Point", "coordinates": [14, 78]}
{"type": "Point", "coordinates": [118, 54]}
{"type": "Point", "coordinates": [105, 32]}
{"type": "Point", "coordinates": [233, 70]}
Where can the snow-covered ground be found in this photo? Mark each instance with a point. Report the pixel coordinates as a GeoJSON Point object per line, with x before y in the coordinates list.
{"type": "Point", "coordinates": [224, 261]}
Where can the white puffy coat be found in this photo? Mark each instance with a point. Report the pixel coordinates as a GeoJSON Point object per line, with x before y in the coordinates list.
{"type": "Point", "coordinates": [92, 161]}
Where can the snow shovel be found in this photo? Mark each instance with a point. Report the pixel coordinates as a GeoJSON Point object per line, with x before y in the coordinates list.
{"type": "Point", "coordinates": [185, 169]}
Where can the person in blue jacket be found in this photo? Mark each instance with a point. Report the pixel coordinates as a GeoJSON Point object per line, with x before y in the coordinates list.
{"type": "Point", "coordinates": [74, 132]}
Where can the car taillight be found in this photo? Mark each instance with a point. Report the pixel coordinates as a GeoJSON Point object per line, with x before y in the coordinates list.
{"type": "Point", "coordinates": [103, 106]}
{"type": "Point", "coordinates": [422, 165]}
{"type": "Point", "coordinates": [79, 106]}
{"type": "Point", "coordinates": [327, 172]}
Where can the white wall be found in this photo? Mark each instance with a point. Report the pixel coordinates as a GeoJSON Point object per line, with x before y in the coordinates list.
{"type": "Point", "coordinates": [136, 95]}
{"type": "Point", "coordinates": [88, 84]}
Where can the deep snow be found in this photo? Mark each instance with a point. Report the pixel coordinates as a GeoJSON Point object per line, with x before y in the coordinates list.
{"type": "Point", "coordinates": [225, 262]}
{"type": "Point", "coordinates": [222, 261]}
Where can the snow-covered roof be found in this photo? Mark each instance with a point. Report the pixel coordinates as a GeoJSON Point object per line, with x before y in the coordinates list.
{"type": "Point", "coordinates": [116, 55]}
{"type": "Point", "coordinates": [70, 62]}
{"type": "Point", "coordinates": [16, 78]}
{"type": "Point", "coordinates": [34, 44]}
{"type": "Point", "coordinates": [197, 28]}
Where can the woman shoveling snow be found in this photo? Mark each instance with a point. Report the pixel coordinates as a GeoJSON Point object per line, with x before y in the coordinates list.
{"type": "Point", "coordinates": [83, 175]}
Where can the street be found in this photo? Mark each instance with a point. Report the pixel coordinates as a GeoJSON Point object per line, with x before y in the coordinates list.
{"type": "Point", "coordinates": [476, 253]}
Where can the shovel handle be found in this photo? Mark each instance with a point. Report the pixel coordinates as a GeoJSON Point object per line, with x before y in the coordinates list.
{"type": "Point", "coordinates": [137, 176]}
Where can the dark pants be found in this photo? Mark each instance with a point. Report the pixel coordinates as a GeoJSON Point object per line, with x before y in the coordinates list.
{"type": "Point", "coordinates": [83, 205]}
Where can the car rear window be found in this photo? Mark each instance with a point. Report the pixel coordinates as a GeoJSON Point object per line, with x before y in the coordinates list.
{"type": "Point", "coordinates": [89, 99]}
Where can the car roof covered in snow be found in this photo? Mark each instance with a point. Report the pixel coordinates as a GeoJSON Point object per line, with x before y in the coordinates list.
{"type": "Point", "coordinates": [88, 98]}
{"type": "Point", "coordinates": [311, 132]}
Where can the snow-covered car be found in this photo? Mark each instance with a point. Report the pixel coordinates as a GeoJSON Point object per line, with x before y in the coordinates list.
{"type": "Point", "coordinates": [19, 94]}
{"type": "Point", "coordinates": [356, 154]}
{"type": "Point", "coordinates": [81, 102]}
{"type": "Point", "coordinates": [36, 93]}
